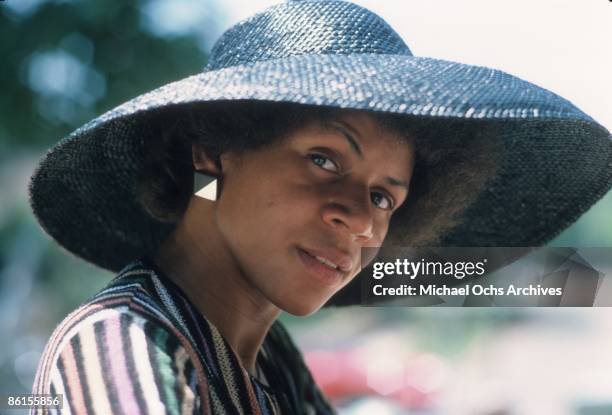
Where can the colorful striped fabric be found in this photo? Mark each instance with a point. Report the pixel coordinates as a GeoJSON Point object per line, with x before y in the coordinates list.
{"type": "Point", "coordinates": [140, 347]}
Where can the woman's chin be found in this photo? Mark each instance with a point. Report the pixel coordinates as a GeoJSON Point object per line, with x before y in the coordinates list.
{"type": "Point", "coordinates": [302, 311]}
{"type": "Point", "coordinates": [301, 308]}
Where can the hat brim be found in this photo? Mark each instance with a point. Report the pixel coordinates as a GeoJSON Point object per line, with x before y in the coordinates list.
{"type": "Point", "coordinates": [553, 160]}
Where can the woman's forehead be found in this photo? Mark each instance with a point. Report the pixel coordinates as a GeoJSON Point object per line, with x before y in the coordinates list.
{"type": "Point", "coordinates": [371, 127]}
{"type": "Point", "coordinates": [363, 135]}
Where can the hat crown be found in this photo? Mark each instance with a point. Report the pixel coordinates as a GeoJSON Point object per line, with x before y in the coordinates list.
{"type": "Point", "coordinates": [306, 27]}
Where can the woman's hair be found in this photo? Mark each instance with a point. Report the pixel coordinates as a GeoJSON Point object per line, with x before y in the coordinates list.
{"type": "Point", "coordinates": [165, 182]}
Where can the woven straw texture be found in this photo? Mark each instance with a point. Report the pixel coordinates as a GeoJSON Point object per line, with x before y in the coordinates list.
{"type": "Point", "coordinates": [536, 161]}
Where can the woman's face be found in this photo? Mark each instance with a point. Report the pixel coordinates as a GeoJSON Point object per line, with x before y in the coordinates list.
{"type": "Point", "coordinates": [296, 214]}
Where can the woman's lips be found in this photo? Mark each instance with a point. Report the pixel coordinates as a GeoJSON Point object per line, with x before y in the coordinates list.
{"type": "Point", "coordinates": [332, 256]}
{"type": "Point", "coordinates": [321, 271]}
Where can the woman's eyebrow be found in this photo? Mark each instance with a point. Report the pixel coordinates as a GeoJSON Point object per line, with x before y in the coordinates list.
{"type": "Point", "coordinates": [349, 133]}
{"type": "Point", "coordinates": [395, 182]}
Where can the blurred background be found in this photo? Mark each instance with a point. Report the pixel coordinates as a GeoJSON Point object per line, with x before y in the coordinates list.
{"type": "Point", "coordinates": [66, 61]}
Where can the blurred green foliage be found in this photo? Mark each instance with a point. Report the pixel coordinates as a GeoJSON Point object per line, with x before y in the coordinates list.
{"type": "Point", "coordinates": [66, 62]}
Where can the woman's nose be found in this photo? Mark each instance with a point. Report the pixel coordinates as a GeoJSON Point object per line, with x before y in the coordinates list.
{"type": "Point", "coordinates": [351, 212]}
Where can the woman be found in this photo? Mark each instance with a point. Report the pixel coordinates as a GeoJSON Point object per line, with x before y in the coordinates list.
{"type": "Point", "coordinates": [227, 197]}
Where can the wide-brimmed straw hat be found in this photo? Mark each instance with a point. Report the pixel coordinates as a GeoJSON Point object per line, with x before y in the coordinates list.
{"type": "Point", "coordinates": [524, 163]}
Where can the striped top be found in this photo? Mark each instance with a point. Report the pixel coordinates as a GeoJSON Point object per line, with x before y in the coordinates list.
{"type": "Point", "coordinates": [139, 346]}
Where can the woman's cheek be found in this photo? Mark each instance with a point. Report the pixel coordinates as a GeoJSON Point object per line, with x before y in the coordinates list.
{"type": "Point", "coordinates": [381, 227]}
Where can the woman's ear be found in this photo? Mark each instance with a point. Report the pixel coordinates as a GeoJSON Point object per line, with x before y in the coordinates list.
{"type": "Point", "coordinates": [202, 161]}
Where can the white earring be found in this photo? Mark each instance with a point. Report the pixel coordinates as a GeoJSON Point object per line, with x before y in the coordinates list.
{"type": "Point", "coordinates": [205, 186]}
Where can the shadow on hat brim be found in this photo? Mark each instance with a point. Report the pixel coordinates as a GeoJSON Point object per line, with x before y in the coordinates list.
{"type": "Point", "coordinates": [547, 175]}
{"type": "Point", "coordinates": [527, 165]}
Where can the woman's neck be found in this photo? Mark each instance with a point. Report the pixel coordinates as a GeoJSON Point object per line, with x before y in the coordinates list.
{"type": "Point", "coordinates": [206, 272]}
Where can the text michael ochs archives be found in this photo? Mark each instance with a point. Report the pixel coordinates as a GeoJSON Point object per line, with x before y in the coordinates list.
{"type": "Point", "coordinates": [427, 272]}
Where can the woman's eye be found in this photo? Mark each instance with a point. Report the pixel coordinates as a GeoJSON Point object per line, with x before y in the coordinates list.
{"type": "Point", "coordinates": [324, 162]}
{"type": "Point", "coordinates": [382, 201]}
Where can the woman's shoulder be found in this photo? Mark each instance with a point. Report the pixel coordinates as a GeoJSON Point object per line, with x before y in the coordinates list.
{"type": "Point", "coordinates": [123, 333]}
{"type": "Point", "coordinates": [130, 296]}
